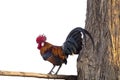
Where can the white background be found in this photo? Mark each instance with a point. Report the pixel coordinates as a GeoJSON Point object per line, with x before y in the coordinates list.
{"type": "Point", "coordinates": [21, 21]}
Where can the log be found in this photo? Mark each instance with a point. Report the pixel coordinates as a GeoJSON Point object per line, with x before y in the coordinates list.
{"type": "Point", "coordinates": [37, 75]}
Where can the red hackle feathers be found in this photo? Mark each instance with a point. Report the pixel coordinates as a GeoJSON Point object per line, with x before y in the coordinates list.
{"type": "Point", "coordinates": [41, 38]}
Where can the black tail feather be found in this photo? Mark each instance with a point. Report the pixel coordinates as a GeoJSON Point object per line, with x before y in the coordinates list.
{"type": "Point", "coordinates": [74, 41]}
{"type": "Point", "coordinates": [86, 32]}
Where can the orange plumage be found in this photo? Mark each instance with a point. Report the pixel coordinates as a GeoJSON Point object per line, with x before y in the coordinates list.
{"type": "Point", "coordinates": [56, 51]}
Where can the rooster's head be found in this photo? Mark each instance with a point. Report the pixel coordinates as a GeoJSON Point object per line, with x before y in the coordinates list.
{"type": "Point", "coordinates": [40, 40]}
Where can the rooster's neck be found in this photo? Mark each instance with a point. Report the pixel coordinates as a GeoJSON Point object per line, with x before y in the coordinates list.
{"type": "Point", "coordinates": [46, 47]}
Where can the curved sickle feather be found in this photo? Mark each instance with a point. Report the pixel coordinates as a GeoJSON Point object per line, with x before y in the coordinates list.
{"type": "Point", "coordinates": [84, 32]}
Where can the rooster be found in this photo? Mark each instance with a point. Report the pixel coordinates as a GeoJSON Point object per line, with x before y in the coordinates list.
{"type": "Point", "coordinates": [57, 55]}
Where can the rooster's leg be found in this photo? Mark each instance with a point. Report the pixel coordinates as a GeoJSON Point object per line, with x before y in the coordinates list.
{"type": "Point", "coordinates": [51, 70]}
{"type": "Point", "coordinates": [58, 69]}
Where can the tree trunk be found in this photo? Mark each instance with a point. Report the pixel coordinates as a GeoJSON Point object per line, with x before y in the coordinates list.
{"type": "Point", "coordinates": [103, 22]}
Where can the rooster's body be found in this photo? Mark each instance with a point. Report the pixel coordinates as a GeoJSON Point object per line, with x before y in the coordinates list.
{"type": "Point", "coordinates": [53, 54]}
{"type": "Point", "coordinates": [58, 55]}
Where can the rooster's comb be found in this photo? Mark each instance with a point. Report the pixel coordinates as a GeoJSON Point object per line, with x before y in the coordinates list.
{"type": "Point", "coordinates": [41, 38]}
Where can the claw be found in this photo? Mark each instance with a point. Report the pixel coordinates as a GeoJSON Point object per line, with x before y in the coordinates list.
{"type": "Point", "coordinates": [52, 70]}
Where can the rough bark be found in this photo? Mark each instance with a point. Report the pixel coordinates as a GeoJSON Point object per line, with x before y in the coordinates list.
{"type": "Point", "coordinates": [103, 22]}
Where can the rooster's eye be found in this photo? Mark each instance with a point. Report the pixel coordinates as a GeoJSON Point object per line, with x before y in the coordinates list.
{"type": "Point", "coordinates": [42, 44]}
